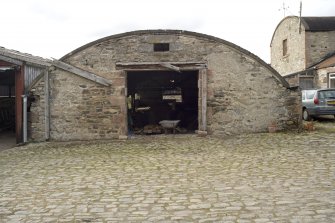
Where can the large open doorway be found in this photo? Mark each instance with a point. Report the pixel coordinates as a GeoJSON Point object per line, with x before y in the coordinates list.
{"type": "Point", "coordinates": [7, 106]}
{"type": "Point", "coordinates": [154, 96]}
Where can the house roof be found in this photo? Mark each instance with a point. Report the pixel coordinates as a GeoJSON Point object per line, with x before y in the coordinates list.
{"type": "Point", "coordinates": [318, 24]}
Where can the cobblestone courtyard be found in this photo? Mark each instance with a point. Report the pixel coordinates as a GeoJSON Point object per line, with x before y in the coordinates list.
{"type": "Point", "coordinates": [252, 178]}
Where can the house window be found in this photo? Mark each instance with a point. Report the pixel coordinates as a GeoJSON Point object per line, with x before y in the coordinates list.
{"type": "Point", "coordinates": [306, 83]}
{"type": "Point", "coordinates": [284, 47]}
{"type": "Point", "coordinates": [331, 82]}
{"type": "Point", "coordinates": [161, 47]}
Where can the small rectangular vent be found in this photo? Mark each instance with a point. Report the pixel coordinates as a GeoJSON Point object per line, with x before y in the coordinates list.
{"type": "Point", "coordinates": [284, 47]}
{"type": "Point", "coordinates": [161, 47]}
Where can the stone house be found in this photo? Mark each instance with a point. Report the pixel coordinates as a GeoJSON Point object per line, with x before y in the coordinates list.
{"type": "Point", "coordinates": [302, 50]}
{"type": "Point", "coordinates": [122, 83]}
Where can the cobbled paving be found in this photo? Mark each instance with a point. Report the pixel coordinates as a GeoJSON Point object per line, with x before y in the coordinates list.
{"type": "Point", "coordinates": [281, 177]}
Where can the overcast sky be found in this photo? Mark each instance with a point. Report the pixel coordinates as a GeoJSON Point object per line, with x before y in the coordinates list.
{"type": "Point", "coordinates": [53, 28]}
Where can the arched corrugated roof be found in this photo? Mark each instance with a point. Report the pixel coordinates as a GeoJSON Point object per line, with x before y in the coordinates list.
{"type": "Point", "coordinates": [180, 32]}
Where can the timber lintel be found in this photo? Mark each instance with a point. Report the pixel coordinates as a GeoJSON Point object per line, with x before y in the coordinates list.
{"type": "Point", "coordinates": [175, 66]}
{"type": "Point", "coordinates": [11, 60]}
{"type": "Point", "coordinates": [170, 66]}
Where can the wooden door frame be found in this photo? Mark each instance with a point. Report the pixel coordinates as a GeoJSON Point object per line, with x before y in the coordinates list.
{"type": "Point", "coordinates": [19, 91]}
{"type": "Point", "coordinates": [202, 98]}
{"type": "Point", "coordinates": [202, 91]}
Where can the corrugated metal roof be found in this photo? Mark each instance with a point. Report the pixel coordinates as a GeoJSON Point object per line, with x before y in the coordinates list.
{"type": "Point", "coordinates": [34, 66]}
{"type": "Point", "coordinates": [28, 58]}
{"type": "Point", "coordinates": [316, 24]}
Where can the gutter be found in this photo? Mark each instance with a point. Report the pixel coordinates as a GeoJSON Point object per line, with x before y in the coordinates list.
{"type": "Point", "coordinates": [47, 106]}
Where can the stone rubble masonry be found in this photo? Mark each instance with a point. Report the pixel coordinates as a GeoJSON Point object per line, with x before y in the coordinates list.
{"type": "Point", "coordinates": [323, 76]}
{"type": "Point", "coordinates": [318, 45]}
{"type": "Point", "coordinates": [243, 95]}
{"type": "Point", "coordinates": [81, 109]}
{"type": "Point", "coordinates": [36, 118]}
{"type": "Point", "coordinates": [294, 61]}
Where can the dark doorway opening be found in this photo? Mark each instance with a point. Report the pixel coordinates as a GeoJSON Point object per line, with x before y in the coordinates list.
{"type": "Point", "coordinates": [7, 105]}
{"type": "Point", "coordinates": [154, 96]}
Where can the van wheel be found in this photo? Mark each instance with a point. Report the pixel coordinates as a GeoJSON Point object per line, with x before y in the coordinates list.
{"type": "Point", "coordinates": [305, 115]}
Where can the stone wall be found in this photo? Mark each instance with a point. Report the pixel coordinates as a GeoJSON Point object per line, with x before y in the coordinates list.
{"type": "Point", "coordinates": [244, 94]}
{"type": "Point", "coordinates": [318, 45]}
{"type": "Point", "coordinates": [294, 60]}
{"type": "Point", "coordinates": [81, 109]}
{"type": "Point", "coordinates": [293, 80]}
{"type": "Point", "coordinates": [36, 116]}
{"type": "Point", "coordinates": [323, 76]}
{"type": "Point", "coordinates": [246, 97]}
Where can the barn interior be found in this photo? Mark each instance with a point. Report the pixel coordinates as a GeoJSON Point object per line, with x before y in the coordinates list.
{"type": "Point", "coordinates": [154, 96]}
{"type": "Point", "coordinates": [7, 103]}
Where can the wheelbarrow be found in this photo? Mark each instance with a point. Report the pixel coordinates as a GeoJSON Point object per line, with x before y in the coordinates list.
{"type": "Point", "coordinates": [169, 125]}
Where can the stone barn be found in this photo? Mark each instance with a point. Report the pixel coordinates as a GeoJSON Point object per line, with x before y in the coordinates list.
{"type": "Point", "coordinates": [127, 83]}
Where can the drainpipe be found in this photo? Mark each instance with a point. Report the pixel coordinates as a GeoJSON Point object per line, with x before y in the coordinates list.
{"type": "Point", "coordinates": [24, 98]}
{"type": "Point", "coordinates": [47, 105]}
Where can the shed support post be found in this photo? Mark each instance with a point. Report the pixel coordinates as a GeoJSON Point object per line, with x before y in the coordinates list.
{"type": "Point", "coordinates": [19, 90]}
{"type": "Point", "coordinates": [123, 134]}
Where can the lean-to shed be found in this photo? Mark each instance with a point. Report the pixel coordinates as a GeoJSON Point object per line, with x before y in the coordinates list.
{"type": "Point", "coordinates": [17, 73]}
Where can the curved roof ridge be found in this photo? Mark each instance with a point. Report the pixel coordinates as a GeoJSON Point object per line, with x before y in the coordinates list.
{"type": "Point", "coordinates": [181, 32]}
{"type": "Point", "coordinates": [281, 21]}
